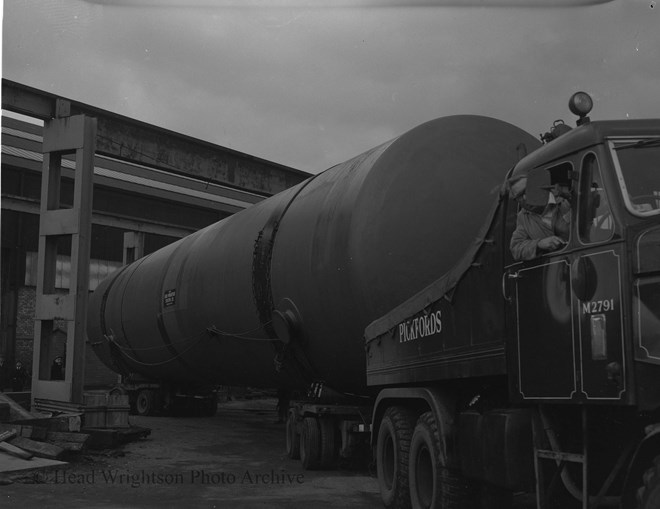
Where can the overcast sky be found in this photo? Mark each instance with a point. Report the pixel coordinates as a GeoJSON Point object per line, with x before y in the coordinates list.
{"type": "Point", "coordinates": [310, 86]}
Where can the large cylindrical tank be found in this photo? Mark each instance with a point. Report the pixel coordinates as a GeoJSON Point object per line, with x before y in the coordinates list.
{"type": "Point", "coordinates": [312, 266]}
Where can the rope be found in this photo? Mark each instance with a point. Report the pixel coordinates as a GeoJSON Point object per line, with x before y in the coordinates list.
{"type": "Point", "coordinates": [112, 340]}
{"type": "Point", "coordinates": [214, 330]}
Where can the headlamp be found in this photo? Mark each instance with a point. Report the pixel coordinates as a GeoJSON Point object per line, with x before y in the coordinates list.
{"type": "Point", "coordinates": [580, 104]}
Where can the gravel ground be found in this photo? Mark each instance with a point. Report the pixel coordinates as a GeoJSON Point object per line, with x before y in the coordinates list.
{"type": "Point", "coordinates": [235, 459]}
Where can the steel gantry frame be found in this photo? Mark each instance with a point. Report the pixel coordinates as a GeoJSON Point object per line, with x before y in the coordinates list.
{"type": "Point", "coordinates": [62, 136]}
{"type": "Point", "coordinates": [72, 127]}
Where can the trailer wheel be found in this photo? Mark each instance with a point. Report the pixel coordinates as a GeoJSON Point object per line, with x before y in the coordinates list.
{"type": "Point", "coordinates": [648, 496]}
{"type": "Point", "coordinates": [329, 449]}
{"type": "Point", "coordinates": [292, 436]}
{"type": "Point", "coordinates": [145, 402]}
{"type": "Point", "coordinates": [310, 444]}
{"type": "Point", "coordinates": [432, 484]}
{"type": "Point", "coordinates": [392, 448]}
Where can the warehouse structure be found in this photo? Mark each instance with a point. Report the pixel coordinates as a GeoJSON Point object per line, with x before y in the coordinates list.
{"type": "Point", "coordinates": [150, 187]}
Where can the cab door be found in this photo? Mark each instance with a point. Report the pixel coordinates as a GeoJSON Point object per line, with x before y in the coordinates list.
{"type": "Point", "coordinates": [545, 332]}
{"type": "Point", "coordinates": [567, 306]}
{"type": "Point", "coordinates": [543, 353]}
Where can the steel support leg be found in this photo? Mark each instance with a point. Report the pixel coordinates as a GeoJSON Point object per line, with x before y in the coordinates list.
{"type": "Point", "coordinates": [58, 226]}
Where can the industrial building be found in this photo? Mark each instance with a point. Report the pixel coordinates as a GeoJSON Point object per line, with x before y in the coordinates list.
{"type": "Point", "coordinates": [150, 187]}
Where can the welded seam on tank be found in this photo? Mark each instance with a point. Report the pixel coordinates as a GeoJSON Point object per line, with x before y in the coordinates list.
{"type": "Point", "coordinates": [262, 263]}
{"type": "Point", "coordinates": [104, 299]}
{"type": "Point", "coordinates": [261, 282]}
{"type": "Point", "coordinates": [160, 321]}
{"type": "Point", "coordinates": [113, 347]}
{"type": "Point", "coordinates": [265, 242]}
{"type": "Point", "coordinates": [134, 357]}
{"type": "Point", "coordinates": [262, 260]}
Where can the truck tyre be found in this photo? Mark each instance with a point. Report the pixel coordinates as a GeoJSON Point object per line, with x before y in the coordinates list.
{"type": "Point", "coordinates": [145, 402]}
{"type": "Point", "coordinates": [392, 448]}
{"type": "Point", "coordinates": [648, 496]}
{"type": "Point", "coordinates": [329, 449]}
{"type": "Point", "coordinates": [292, 436]}
{"type": "Point", "coordinates": [310, 444]}
{"type": "Point", "coordinates": [432, 484]}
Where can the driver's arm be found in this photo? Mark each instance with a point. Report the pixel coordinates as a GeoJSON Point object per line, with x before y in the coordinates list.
{"type": "Point", "coordinates": [522, 246]}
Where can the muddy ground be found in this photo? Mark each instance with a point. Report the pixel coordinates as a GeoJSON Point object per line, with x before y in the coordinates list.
{"type": "Point", "coordinates": [235, 459]}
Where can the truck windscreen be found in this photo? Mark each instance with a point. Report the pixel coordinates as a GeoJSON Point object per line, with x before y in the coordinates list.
{"type": "Point", "coordinates": [638, 164]}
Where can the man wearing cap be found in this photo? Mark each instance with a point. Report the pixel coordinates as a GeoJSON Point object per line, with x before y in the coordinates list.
{"type": "Point", "coordinates": [539, 231]}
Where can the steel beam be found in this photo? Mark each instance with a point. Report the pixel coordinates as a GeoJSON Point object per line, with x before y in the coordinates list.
{"type": "Point", "coordinates": [138, 142]}
{"type": "Point", "coordinates": [31, 206]}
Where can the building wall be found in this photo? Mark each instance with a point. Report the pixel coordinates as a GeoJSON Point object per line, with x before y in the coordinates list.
{"type": "Point", "coordinates": [25, 315]}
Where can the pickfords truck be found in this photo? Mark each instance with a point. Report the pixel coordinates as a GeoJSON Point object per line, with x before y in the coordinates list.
{"type": "Point", "coordinates": [387, 286]}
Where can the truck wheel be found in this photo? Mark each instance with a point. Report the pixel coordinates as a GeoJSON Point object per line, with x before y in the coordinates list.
{"type": "Point", "coordinates": [432, 484]}
{"type": "Point", "coordinates": [145, 402]}
{"type": "Point", "coordinates": [292, 436]}
{"type": "Point", "coordinates": [392, 448]}
{"type": "Point", "coordinates": [648, 496]}
{"type": "Point", "coordinates": [310, 444]}
{"type": "Point", "coordinates": [329, 449]}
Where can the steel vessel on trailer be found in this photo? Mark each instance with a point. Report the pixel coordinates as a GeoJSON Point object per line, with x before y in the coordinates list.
{"type": "Point", "coordinates": [387, 284]}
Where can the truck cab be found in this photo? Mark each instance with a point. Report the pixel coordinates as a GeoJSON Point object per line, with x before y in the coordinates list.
{"type": "Point", "coordinates": [539, 371]}
{"type": "Point", "coordinates": [587, 316]}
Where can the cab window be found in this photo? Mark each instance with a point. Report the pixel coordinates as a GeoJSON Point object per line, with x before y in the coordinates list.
{"type": "Point", "coordinates": [595, 221]}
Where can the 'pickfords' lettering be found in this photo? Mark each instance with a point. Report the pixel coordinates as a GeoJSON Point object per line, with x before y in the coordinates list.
{"type": "Point", "coordinates": [420, 327]}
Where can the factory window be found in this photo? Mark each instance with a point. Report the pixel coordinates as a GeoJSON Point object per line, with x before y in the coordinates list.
{"type": "Point", "coordinates": [98, 271]}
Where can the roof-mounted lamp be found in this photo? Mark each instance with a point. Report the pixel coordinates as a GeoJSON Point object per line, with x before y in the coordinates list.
{"type": "Point", "coordinates": [580, 104]}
